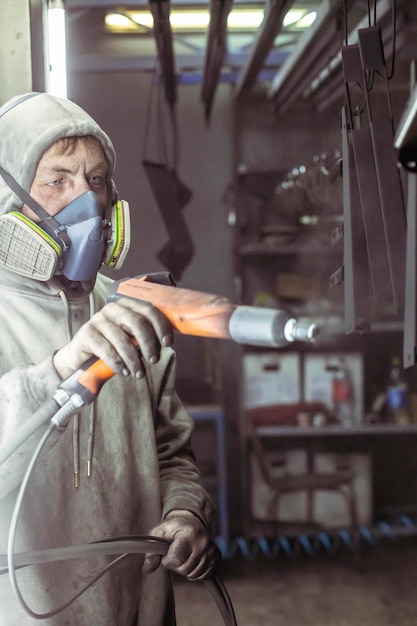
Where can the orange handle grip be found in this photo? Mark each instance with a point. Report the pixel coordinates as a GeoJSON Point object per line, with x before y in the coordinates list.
{"type": "Point", "coordinates": [94, 377]}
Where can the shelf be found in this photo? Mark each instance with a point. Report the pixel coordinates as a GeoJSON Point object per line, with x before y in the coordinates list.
{"type": "Point", "coordinates": [336, 431]}
{"type": "Point", "coordinates": [258, 249]}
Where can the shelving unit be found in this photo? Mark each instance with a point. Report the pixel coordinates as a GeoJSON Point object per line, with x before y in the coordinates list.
{"type": "Point", "coordinates": [305, 258]}
{"type": "Point", "coordinates": [266, 148]}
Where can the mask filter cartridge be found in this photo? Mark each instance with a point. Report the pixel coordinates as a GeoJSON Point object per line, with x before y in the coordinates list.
{"type": "Point", "coordinates": [118, 245]}
{"type": "Point", "coordinates": [26, 249]}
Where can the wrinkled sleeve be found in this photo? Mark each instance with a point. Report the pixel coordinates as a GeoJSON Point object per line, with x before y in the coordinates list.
{"type": "Point", "coordinates": [23, 390]}
{"type": "Point", "coordinates": [181, 482]}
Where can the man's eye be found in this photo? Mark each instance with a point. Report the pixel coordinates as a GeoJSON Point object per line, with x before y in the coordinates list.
{"type": "Point", "coordinates": [55, 183]}
{"type": "Point", "coordinates": [97, 180]}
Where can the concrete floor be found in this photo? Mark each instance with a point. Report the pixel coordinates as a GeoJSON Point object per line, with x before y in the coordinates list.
{"type": "Point", "coordinates": [376, 586]}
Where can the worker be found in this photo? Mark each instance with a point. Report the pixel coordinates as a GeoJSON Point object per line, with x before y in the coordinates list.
{"type": "Point", "coordinates": [123, 465]}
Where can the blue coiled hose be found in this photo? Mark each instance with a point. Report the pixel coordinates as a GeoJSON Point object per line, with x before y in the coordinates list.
{"type": "Point", "coordinates": [330, 541]}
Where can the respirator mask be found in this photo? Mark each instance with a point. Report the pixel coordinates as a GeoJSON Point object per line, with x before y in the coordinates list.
{"type": "Point", "coordinates": [74, 243]}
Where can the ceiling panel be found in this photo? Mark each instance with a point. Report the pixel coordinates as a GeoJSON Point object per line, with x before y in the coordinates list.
{"type": "Point", "coordinates": [287, 61]}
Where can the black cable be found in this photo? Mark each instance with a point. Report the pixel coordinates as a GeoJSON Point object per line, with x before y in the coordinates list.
{"type": "Point", "coordinates": [371, 18]}
{"type": "Point", "coordinates": [394, 39]}
{"type": "Point", "coordinates": [345, 21]}
{"type": "Point", "coordinates": [148, 117]}
{"type": "Point", "coordinates": [137, 544]}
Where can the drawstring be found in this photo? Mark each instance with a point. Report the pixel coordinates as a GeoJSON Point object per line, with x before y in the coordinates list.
{"type": "Point", "coordinates": [63, 297]}
{"type": "Point", "coordinates": [90, 441]}
{"type": "Point", "coordinates": [76, 449]}
{"type": "Point", "coordinates": [76, 417]}
{"type": "Point", "coordinates": [92, 412]}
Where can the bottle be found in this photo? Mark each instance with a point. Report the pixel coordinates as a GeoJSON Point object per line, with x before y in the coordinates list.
{"type": "Point", "coordinates": [397, 394]}
{"type": "Point", "coordinates": [343, 395]}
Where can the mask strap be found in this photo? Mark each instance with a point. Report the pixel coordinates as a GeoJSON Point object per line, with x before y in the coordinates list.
{"type": "Point", "coordinates": [49, 223]}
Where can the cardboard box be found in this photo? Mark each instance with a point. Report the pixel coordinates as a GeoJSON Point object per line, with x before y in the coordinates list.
{"type": "Point", "coordinates": [298, 286]}
{"type": "Point", "coordinates": [271, 378]}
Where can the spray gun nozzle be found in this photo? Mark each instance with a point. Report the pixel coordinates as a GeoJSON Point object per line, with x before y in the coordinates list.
{"type": "Point", "coordinates": [300, 330]}
{"type": "Point", "coordinates": [269, 327]}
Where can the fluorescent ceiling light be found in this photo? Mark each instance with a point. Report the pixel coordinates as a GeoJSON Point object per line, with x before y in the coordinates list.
{"type": "Point", "coordinates": [245, 19]}
{"type": "Point", "coordinates": [188, 19]}
{"type": "Point", "coordinates": [299, 18]}
{"type": "Point", "coordinates": [307, 20]}
{"type": "Point", "coordinates": [292, 17]}
{"type": "Point", "coordinates": [238, 19]}
{"type": "Point", "coordinates": [116, 20]}
{"type": "Point", "coordinates": [57, 79]}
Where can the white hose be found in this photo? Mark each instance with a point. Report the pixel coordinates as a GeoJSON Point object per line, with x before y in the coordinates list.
{"type": "Point", "coordinates": [123, 547]}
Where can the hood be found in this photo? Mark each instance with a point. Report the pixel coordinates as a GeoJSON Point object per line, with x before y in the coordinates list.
{"type": "Point", "coordinates": [31, 127]}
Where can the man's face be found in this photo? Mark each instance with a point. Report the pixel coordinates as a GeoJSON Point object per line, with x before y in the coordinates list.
{"type": "Point", "coordinates": [63, 176]}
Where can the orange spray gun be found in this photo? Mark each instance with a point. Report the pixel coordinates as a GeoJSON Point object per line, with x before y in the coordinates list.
{"type": "Point", "coordinates": [194, 313]}
{"type": "Point", "coordinates": [206, 315]}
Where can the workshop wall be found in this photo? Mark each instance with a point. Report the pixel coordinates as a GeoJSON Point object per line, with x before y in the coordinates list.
{"type": "Point", "coordinates": [119, 102]}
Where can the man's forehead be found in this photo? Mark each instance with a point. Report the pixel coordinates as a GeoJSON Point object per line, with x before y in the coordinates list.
{"type": "Point", "coordinates": [73, 148]}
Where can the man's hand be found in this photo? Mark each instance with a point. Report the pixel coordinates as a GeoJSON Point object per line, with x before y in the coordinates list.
{"type": "Point", "coordinates": [191, 552]}
{"type": "Point", "coordinates": [108, 336]}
